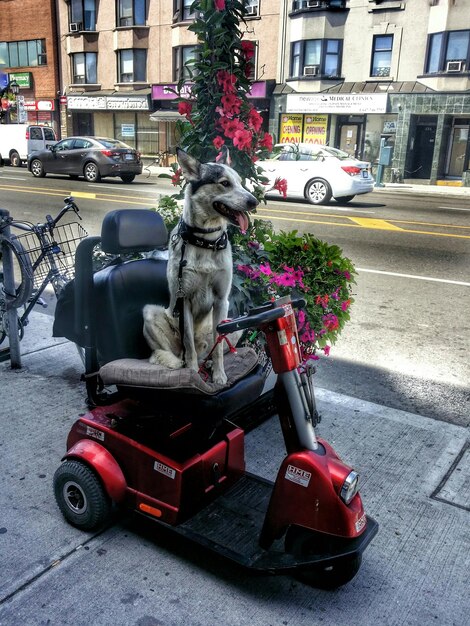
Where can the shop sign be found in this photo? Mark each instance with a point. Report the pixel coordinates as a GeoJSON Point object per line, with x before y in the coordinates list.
{"type": "Point", "coordinates": [22, 78]}
{"type": "Point", "coordinates": [39, 105]}
{"type": "Point", "coordinates": [167, 92]}
{"type": "Point", "coordinates": [128, 130]}
{"type": "Point", "coordinates": [315, 129]}
{"type": "Point", "coordinates": [108, 103]}
{"type": "Point", "coordinates": [337, 103]}
{"type": "Point", "coordinates": [63, 100]}
{"type": "Point", "coordinates": [390, 127]}
{"type": "Point", "coordinates": [290, 130]}
{"type": "Point", "coordinates": [84, 102]}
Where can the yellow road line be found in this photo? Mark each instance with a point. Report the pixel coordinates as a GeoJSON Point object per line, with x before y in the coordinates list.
{"type": "Point", "coordinates": [84, 194]}
{"type": "Point", "coordinates": [369, 222]}
{"type": "Point", "coordinates": [78, 194]}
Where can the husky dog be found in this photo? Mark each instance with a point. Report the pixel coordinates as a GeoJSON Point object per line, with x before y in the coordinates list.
{"type": "Point", "coordinates": [199, 268]}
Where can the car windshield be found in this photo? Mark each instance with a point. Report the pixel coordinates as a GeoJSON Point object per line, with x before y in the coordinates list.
{"type": "Point", "coordinates": [113, 143]}
{"type": "Point", "coordinates": [305, 152]}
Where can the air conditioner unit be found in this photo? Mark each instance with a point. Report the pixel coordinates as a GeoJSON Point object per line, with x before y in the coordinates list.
{"type": "Point", "coordinates": [75, 27]}
{"type": "Point", "coordinates": [313, 4]}
{"type": "Point", "coordinates": [311, 70]}
{"type": "Point", "coordinates": [252, 9]}
{"type": "Point", "coordinates": [454, 66]}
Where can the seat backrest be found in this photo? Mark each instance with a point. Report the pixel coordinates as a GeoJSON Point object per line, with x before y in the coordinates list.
{"type": "Point", "coordinates": [121, 291]}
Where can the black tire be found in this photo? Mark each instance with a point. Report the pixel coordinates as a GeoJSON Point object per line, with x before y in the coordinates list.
{"type": "Point", "coordinates": [302, 542]}
{"type": "Point", "coordinates": [37, 169]}
{"type": "Point", "coordinates": [127, 178]}
{"type": "Point", "coordinates": [80, 496]}
{"type": "Point", "coordinates": [15, 159]}
{"type": "Point", "coordinates": [345, 199]}
{"type": "Point", "coordinates": [92, 172]}
{"type": "Point", "coordinates": [318, 191]}
{"type": "Point", "coordinates": [23, 279]}
{"type": "Point", "coordinates": [4, 330]}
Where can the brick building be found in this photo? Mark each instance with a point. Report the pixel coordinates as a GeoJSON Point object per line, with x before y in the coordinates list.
{"type": "Point", "coordinates": [28, 55]}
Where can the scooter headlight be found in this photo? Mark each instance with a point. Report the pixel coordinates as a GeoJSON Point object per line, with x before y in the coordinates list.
{"type": "Point", "coordinates": [350, 487]}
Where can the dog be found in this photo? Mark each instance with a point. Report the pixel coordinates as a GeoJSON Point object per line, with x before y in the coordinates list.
{"type": "Point", "coordinates": [199, 267]}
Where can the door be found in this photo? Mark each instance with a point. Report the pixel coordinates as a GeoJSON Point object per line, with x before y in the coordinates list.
{"type": "Point", "coordinates": [350, 138]}
{"type": "Point", "coordinates": [422, 151]}
{"type": "Point", "coordinates": [59, 162]}
{"type": "Point", "coordinates": [83, 124]}
{"type": "Point", "coordinates": [457, 150]}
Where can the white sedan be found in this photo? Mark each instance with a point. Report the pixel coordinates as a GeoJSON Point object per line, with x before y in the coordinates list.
{"type": "Point", "coordinates": [317, 173]}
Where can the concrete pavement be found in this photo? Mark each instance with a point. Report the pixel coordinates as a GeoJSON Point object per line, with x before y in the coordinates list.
{"type": "Point", "coordinates": [415, 482]}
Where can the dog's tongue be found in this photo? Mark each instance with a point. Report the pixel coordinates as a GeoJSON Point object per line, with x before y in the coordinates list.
{"type": "Point", "coordinates": [243, 221]}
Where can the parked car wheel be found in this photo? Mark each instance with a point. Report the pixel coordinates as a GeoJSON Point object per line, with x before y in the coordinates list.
{"type": "Point", "coordinates": [37, 168]}
{"type": "Point", "coordinates": [92, 173]}
{"type": "Point", "coordinates": [318, 191]}
{"type": "Point", "coordinates": [127, 178]}
{"type": "Point", "coordinates": [344, 199]}
{"type": "Point", "coordinates": [15, 159]}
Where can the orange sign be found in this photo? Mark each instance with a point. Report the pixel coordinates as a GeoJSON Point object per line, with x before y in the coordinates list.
{"type": "Point", "coordinates": [315, 128]}
{"type": "Point", "coordinates": [290, 130]}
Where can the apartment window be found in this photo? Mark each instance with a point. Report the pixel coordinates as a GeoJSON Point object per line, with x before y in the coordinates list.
{"type": "Point", "coordinates": [448, 51]}
{"type": "Point", "coordinates": [82, 15]}
{"type": "Point", "coordinates": [316, 57]}
{"type": "Point", "coordinates": [252, 8]}
{"type": "Point", "coordinates": [131, 12]}
{"type": "Point", "coordinates": [181, 56]}
{"type": "Point", "coordinates": [132, 66]}
{"type": "Point", "coordinates": [84, 68]}
{"type": "Point", "coordinates": [381, 55]}
{"type": "Point", "coordinates": [23, 53]}
{"type": "Point", "coordinates": [300, 5]}
{"type": "Point", "coordinates": [182, 11]}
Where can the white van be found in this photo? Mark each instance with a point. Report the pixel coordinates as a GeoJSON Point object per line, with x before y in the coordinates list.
{"type": "Point", "coordinates": [18, 140]}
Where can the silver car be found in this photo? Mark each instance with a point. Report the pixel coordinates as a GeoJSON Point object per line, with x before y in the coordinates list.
{"type": "Point", "coordinates": [91, 157]}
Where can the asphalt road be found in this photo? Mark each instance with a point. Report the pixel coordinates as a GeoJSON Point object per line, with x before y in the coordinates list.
{"type": "Point", "coordinates": [407, 344]}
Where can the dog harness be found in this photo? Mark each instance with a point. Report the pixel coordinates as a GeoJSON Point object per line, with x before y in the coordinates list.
{"type": "Point", "coordinates": [188, 234]}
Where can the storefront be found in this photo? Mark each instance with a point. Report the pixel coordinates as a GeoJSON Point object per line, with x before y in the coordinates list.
{"type": "Point", "coordinates": [118, 115]}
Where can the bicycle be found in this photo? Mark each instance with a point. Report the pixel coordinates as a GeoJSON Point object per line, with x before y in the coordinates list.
{"type": "Point", "coordinates": [158, 161]}
{"type": "Point", "coordinates": [43, 255]}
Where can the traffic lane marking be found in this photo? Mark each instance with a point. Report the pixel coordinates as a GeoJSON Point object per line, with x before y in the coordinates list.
{"type": "Point", "coordinates": [452, 208]}
{"type": "Point", "coordinates": [329, 208]}
{"type": "Point", "coordinates": [339, 225]}
{"type": "Point", "coordinates": [368, 222]}
{"type": "Point", "coordinates": [414, 276]}
{"type": "Point", "coordinates": [74, 194]}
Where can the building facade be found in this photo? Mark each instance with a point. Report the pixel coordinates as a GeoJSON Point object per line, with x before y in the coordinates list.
{"type": "Point", "coordinates": [28, 56]}
{"type": "Point", "coordinates": [358, 74]}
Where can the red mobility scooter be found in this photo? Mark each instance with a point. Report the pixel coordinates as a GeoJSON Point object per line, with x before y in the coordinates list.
{"type": "Point", "coordinates": [166, 445]}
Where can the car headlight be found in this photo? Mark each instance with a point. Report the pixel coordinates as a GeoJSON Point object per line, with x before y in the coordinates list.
{"type": "Point", "coordinates": [350, 487]}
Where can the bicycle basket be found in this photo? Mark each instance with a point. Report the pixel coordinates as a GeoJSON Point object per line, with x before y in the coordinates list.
{"type": "Point", "coordinates": [58, 253]}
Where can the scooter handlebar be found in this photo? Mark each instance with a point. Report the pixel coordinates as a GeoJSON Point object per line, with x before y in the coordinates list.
{"type": "Point", "coordinates": [257, 317]}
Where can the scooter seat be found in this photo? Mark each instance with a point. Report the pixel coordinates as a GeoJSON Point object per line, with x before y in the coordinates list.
{"type": "Point", "coordinates": [185, 389]}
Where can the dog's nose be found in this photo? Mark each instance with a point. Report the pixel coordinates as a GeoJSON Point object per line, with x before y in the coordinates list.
{"type": "Point", "coordinates": [252, 203]}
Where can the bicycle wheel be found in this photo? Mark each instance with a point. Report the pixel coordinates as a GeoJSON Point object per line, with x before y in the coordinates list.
{"type": "Point", "coordinates": [22, 272]}
{"type": "Point", "coordinates": [5, 330]}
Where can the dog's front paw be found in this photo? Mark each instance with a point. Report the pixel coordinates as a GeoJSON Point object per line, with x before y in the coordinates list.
{"type": "Point", "coordinates": [219, 378]}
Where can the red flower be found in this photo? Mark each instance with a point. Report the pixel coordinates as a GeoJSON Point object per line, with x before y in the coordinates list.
{"type": "Point", "coordinates": [219, 5]}
{"type": "Point", "coordinates": [231, 104]}
{"type": "Point", "coordinates": [254, 120]}
{"type": "Point", "coordinates": [185, 108]}
{"type": "Point", "coordinates": [218, 142]}
{"type": "Point", "coordinates": [248, 49]}
{"type": "Point", "coordinates": [266, 142]}
{"type": "Point", "coordinates": [242, 139]}
{"type": "Point", "coordinates": [227, 81]}
{"type": "Point", "coordinates": [230, 127]}
{"type": "Point", "coordinates": [175, 179]}
{"type": "Point", "coordinates": [281, 185]}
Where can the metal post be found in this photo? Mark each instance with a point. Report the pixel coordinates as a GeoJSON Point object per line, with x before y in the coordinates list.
{"type": "Point", "coordinates": [380, 167]}
{"type": "Point", "coordinates": [11, 312]}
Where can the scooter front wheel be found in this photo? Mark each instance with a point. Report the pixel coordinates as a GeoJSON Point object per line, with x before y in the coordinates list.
{"type": "Point", "coordinates": [304, 543]}
{"type": "Point", "coordinates": [80, 495]}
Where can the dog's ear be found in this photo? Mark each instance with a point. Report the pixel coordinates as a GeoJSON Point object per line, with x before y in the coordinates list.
{"type": "Point", "coordinates": [190, 166]}
{"type": "Point", "coordinates": [224, 156]}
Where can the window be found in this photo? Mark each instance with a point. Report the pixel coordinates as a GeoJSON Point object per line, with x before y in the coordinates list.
{"type": "Point", "coordinates": [84, 68]}
{"type": "Point", "coordinates": [131, 12]}
{"type": "Point", "coordinates": [181, 56]}
{"type": "Point", "coordinates": [381, 55]}
{"type": "Point", "coordinates": [23, 53]}
{"type": "Point", "coordinates": [182, 11]}
{"type": "Point", "coordinates": [82, 15]}
{"type": "Point", "coordinates": [132, 66]}
{"type": "Point", "coordinates": [324, 5]}
{"type": "Point", "coordinates": [82, 144]}
{"type": "Point", "coordinates": [316, 57]}
{"type": "Point", "coordinates": [252, 8]}
{"type": "Point", "coordinates": [448, 52]}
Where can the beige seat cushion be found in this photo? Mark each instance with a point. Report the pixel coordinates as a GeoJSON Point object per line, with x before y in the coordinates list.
{"type": "Point", "coordinates": [141, 373]}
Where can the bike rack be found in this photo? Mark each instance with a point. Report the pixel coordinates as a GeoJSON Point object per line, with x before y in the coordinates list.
{"type": "Point", "coordinates": [13, 352]}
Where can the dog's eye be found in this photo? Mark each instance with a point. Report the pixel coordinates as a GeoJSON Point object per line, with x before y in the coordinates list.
{"type": "Point", "coordinates": [225, 183]}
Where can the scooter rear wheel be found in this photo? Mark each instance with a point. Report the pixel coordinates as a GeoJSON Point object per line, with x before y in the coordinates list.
{"type": "Point", "coordinates": [80, 495]}
{"type": "Point", "coordinates": [303, 543]}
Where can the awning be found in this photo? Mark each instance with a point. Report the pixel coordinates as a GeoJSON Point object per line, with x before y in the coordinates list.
{"type": "Point", "coordinates": [164, 115]}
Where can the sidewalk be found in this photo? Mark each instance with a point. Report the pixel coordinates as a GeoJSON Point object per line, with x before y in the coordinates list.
{"type": "Point", "coordinates": [415, 482]}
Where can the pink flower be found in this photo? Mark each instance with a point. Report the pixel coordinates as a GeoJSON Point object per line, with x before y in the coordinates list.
{"type": "Point", "coordinates": [219, 5]}
{"type": "Point", "coordinates": [330, 322]}
{"type": "Point", "coordinates": [284, 280]}
{"type": "Point", "coordinates": [326, 350]}
{"type": "Point", "coordinates": [265, 269]}
{"type": "Point", "coordinates": [218, 142]}
{"type": "Point", "coordinates": [281, 185]}
{"type": "Point", "coordinates": [242, 139]}
{"type": "Point", "coordinates": [345, 305]}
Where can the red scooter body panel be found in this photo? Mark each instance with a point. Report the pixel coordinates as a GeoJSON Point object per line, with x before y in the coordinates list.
{"type": "Point", "coordinates": [156, 484]}
{"type": "Point", "coordinates": [306, 493]}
